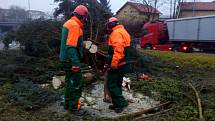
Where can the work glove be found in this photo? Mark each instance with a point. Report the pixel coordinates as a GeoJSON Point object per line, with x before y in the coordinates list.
{"type": "Point", "coordinates": [106, 67]}
{"type": "Point", "coordinates": [76, 68]}
{"type": "Point", "coordinates": [114, 67]}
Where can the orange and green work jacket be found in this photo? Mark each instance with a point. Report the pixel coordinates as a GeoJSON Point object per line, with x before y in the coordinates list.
{"type": "Point", "coordinates": [72, 41]}
{"type": "Point", "coordinates": [119, 45]}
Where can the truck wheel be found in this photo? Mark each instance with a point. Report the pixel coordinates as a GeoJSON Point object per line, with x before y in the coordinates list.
{"type": "Point", "coordinates": [175, 49]}
{"type": "Point", "coordinates": [148, 47]}
{"type": "Point", "coordinates": [205, 50]}
{"type": "Point", "coordinates": [190, 50]}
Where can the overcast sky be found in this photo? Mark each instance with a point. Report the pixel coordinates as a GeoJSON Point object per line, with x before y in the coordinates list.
{"type": "Point", "coordinates": [48, 5]}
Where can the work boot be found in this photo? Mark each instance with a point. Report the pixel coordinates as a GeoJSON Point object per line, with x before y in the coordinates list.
{"type": "Point", "coordinates": [78, 112]}
{"type": "Point", "coordinates": [65, 107]}
{"type": "Point", "coordinates": [106, 100]}
{"type": "Point", "coordinates": [62, 103]}
{"type": "Point", "coordinates": [111, 107]}
{"type": "Point", "coordinates": [117, 109]}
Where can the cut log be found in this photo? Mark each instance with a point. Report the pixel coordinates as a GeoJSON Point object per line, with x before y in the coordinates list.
{"type": "Point", "coordinates": [145, 111]}
{"type": "Point", "coordinates": [152, 115]}
{"type": "Point", "coordinates": [107, 97]}
{"type": "Point", "coordinates": [88, 76]}
{"type": "Point", "coordinates": [92, 48]}
{"type": "Point", "coordinates": [57, 83]}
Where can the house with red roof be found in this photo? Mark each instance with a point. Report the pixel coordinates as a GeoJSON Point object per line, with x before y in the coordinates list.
{"type": "Point", "coordinates": [191, 9]}
{"type": "Point", "coordinates": [137, 13]}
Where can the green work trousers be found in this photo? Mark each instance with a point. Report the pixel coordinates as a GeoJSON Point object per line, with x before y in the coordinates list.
{"type": "Point", "coordinates": [114, 85]}
{"type": "Point", "coordinates": [73, 88]}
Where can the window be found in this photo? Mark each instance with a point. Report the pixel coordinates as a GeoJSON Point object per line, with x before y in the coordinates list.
{"type": "Point", "coordinates": [145, 31]}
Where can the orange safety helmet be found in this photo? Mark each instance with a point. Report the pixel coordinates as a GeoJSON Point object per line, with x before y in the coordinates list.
{"type": "Point", "coordinates": [113, 19]}
{"type": "Point", "coordinates": [81, 10]}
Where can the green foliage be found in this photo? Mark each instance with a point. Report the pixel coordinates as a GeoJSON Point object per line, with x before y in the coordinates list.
{"type": "Point", "coordinates": [4, 105]}
{"type": "Point", "coordinates": [65, 7]}
{"type": "Point", "coordinates": [169, 89]}
{"type": "Point", "coordinates": [209, 115]}
{"type": "Point", "coordinates": [98, 16]}
{"type": "Point", "coordinates": [9, 37]}
{"type": "Point", "coordinates": [11, 112]}
{"type": "Point", "coordinates": [90, 118]}
{"type": "Point", "coordinates": [187, 113]}
{"type": "Point", "coordinates": [30, 96]}
{"type": "Point", "coordinates": [171, 73]}
{"type": "Point", "coordinates": [40, 37]}
{"type": "Point", "coordinates": [169, 83]}
{"type": "Point", "coordinates": [105, 4]}
{"type": "Point", "coordinates": [7, 111]}
{"type": "Point", "coordinates": [15, 65]}
{"type": "Point", "coordinates": [144, 87]}
{"type": "Point", "coordinates": [97, 19]}
{"type": "Point", "coordinates": [135, 29]}
{"type": "Point", "coordinates": [36, 48]}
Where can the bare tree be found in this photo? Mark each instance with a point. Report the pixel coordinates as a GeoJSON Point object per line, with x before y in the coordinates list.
{"type": "Point", "coordinates": [152, 7]}
{"type": "Point", "coordinates": [170, 6]}
{"type": "Point", "coordinates": [176, 8]}
{"type": "Point", "coordinates": [150, 11]}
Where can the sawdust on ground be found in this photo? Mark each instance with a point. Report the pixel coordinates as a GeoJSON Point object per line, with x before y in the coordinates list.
{"type": "Point", "coordinates": [93, 102]}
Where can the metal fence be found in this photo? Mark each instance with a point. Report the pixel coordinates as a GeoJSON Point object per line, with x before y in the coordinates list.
{"type": "Point", "coordinates": [3, 20]}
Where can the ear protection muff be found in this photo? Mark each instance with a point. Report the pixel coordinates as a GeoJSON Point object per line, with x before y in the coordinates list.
{"type": "Point", "coordinates": [111, 25]}
{"type": "Point", "coordinates": [83, 19]}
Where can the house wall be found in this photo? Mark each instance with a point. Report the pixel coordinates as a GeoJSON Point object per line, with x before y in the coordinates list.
{"type": "Point", "coordinates": [129, 15]}
{"type": "Point", "coordinates": [185, 14]}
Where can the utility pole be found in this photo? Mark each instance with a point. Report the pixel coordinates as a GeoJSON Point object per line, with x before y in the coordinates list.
{"type": "Point", "coordinates": [29, 5]}
{"type": "Point", "coordinates": [179, 8]}
{"type": "Point", "coordinates": [171, 9]}
{"type": "Point", "coordinates": [194, 7]}
{"type": "Point", "coordinates": [29, 8]}
{"type": "Point", "coordinates": [174, 9]}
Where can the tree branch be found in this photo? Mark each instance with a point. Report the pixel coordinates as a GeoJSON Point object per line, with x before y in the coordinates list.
{"type": "Point", "coordinates": [199, 102]}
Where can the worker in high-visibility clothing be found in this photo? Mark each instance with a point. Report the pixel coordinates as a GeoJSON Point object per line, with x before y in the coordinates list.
{"type": "Point", "coordinates": [71, 52]}
{"type": "Point", "coordinates": [119, 46]}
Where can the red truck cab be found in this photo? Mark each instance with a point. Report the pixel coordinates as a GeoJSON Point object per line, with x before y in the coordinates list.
{"type": "Point", "coordinates": [156, 36]}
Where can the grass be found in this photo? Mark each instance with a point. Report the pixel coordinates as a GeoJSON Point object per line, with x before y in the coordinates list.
{"type": "Point", "coordinates": [170, 73]}
{"type": "Point", "coordinates": [198, 61]}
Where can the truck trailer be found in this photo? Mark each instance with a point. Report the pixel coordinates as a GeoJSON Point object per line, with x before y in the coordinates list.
{"type": "Point", "coordinates": [183, 34]}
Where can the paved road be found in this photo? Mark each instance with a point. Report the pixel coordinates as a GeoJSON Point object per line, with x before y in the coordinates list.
{"type": "Point", "coordinates": [206, 53]}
